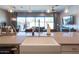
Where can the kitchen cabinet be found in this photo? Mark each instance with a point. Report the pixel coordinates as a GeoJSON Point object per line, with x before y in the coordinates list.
{"type": "Point", "coordinates": [69, 42]}
{"type": "Point", "coordinates": [70, 48]}
{"type": "Point", "coordinates": [9, 49]}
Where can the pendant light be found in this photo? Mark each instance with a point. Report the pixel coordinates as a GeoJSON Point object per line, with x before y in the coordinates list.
{"type": "Point", "coordinates": [10, 9]}
{"type": "Point", "coordinates": [66, 10]}
{"type": "Point", "coordinates": [49, 9]}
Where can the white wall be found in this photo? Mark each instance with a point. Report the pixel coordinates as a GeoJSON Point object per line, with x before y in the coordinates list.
{"type": "Point", "coordinates": [3, 16]}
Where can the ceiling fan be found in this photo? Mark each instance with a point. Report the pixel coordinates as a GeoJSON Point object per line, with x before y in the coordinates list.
{"type": "Point", "coordinates": [53, 8]}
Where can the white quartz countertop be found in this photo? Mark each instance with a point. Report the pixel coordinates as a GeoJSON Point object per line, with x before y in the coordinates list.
{"type": "Point", "coordinates": [10, 40]}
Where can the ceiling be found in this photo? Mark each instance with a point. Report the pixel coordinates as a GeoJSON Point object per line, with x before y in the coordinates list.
{"type": "Point", "coordinates": [33, 8]}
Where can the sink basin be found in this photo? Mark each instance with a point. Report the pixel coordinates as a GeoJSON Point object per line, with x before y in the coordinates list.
{"type": "Point", "coordinates": [39, 45]}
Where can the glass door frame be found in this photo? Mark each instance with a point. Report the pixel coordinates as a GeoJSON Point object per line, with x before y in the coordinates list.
{"type": "Point", "coordinates": [39, 17]}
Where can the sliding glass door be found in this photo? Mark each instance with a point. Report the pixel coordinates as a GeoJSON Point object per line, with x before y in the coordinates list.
{"type": "Point", "coordinates": [50, 21]}
{"type": "Point", "coordinates": [35, 25]}
{"type": "Point", "coordinates": [20, 24]}
{"type": "Point", "coordinates": [39, 27]}
{"type": "Point", "coordinates": [30, 22]}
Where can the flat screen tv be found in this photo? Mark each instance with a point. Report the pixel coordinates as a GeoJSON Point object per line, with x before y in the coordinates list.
{"type": "Point", "coordinates": [68, 20]}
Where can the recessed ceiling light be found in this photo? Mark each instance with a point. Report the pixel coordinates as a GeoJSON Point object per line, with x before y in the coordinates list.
{"type": "Point", "coordinates": [66, 10]}
{"type": "Point", "coordinates": [10, 10]}
{"type": "Point", "coordinates": [48, 11]}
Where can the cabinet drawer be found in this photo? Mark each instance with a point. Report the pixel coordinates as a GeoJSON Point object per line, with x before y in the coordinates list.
{"type": "Point", "coordinates": [70, 48]}
{"type": "Point", "coordinates": [71, 52]}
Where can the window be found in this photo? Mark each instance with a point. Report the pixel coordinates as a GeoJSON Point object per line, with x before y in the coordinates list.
{"type": "Point", "coordinates": [30, 21]}
{"type": "Point", "coordinates": [20, 23]}
{"type": "Point", "coordinates": [20, 20]}
{"type": "Point", "coordinates": [40, 21]}
{"type": "Point", "coordinates": [50, 21]}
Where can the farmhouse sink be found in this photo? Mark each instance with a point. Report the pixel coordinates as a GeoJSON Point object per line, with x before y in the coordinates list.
{"type": "Point", "coordinates": [39, 45]}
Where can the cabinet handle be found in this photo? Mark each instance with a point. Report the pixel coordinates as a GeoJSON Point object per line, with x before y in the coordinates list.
{"type": "Point", "coordinates": [74, 48]}
{"type": "Point", "coordinates": [14, 49]}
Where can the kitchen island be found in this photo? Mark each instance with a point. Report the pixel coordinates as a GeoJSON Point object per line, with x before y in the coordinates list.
{"type": "Point", "coordinates": [60, 42]}
{"type": "Point", "coordinates": [69, 41]}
